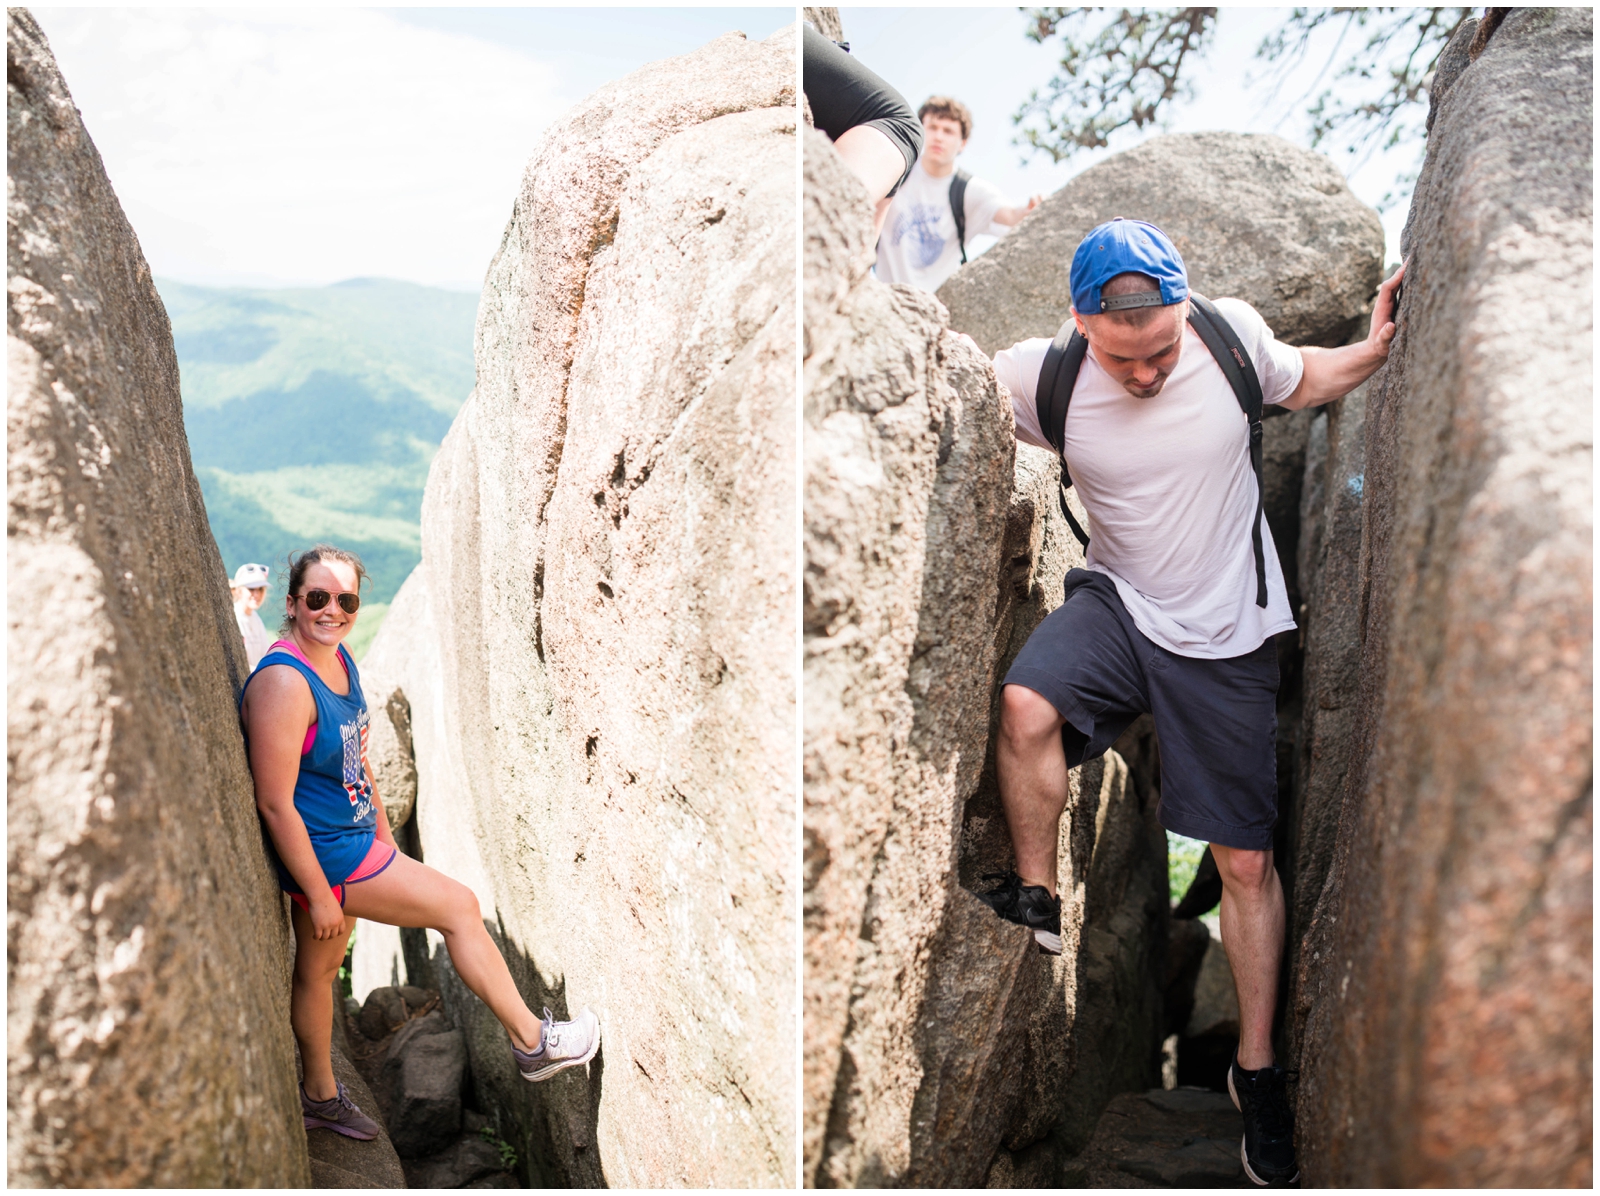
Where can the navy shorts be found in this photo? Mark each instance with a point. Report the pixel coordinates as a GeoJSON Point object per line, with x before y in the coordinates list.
{"type": "Point", "coordinates": [1216, 720]}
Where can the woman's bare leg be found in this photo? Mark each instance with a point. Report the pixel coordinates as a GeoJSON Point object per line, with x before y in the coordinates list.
{"type": "Point", "coordinates": [408, 893]}
{"type": "Point", "coordinates": [316, 964]}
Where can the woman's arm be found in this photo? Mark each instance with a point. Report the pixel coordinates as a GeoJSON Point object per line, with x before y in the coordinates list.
{"type": "Point", "coordinates": [278, 709]}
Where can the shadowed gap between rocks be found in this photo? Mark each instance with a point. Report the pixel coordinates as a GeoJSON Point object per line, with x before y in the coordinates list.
{"type": "Point", "coordinates": [551, 1125]}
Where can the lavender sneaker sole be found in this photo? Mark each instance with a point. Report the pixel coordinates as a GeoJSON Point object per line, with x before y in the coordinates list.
{"type": "Point", "coordinates": [344, 1116]}
{"type": "Point", "coordinates": [317, 1123]}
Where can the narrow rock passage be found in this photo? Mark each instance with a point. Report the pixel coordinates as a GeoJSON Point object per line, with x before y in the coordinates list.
{"type": "Point", "coordinates": [405, 1064]}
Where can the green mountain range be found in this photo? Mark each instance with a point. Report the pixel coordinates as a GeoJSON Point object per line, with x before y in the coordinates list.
{"type": "Point", "coordinates": [313, 414]}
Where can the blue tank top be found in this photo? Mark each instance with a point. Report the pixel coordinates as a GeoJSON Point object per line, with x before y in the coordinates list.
{"type": "Point", "coordinates": [332, 794]}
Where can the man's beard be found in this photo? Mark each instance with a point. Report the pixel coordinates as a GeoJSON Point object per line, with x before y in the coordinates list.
{"type": "Point", "coordinates": [1146, 392]}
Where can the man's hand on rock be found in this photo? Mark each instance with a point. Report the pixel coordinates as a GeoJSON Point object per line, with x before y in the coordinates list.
{"type": "Point", "coordinates": [1333, 373]}
{"type": "Point", "coordinates": [1384, 311]}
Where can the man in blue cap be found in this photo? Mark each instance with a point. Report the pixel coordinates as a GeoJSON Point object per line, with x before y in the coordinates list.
{"type": "Point", "coordinates": [1174, 611]}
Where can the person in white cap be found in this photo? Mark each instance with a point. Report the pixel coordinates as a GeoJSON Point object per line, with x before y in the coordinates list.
{"type": "Point", "coordinates": [249, 589]}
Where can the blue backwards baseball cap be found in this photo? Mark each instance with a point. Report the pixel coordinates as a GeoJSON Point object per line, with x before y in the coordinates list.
{"type": "Point", "coordinates": [1122, 247]}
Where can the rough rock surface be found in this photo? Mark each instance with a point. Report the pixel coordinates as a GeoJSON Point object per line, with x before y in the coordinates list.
{"type": "Point", "coordinates": [468, 1159]}
{"type": "Point", "coordinates": [1255, 218]}
{"type": "Point", "coordinates": [1216, 1002]}
{"type": "Point", "coordinates": [1095, 1015]}
{"type": "Point", "coordinates": [826, 21]}
{"type": "Point", "coordinates": [1329, 571]}
{"type": "Point", "coordinates": [420, 1085]}
{"type": "Point", "coordinates": [392, 754]}
{"type": "Point", "coordinates": [148, 1037]}
{"type": "Point", "coordinates": [1444, 991]}
{"type": "Point", "coordinates": [597, 650]}
{"type": "Point", "coordinates": [908, 472]}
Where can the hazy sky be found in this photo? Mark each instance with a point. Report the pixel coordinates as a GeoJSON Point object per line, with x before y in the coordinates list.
{"type": "Point", "coordinates": [980, 56]}
{"type": "Point", "coordinates": [304, 146]}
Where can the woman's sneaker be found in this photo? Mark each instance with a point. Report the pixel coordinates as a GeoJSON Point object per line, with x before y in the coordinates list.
{"type": "Point", "coordinates": [1026, 905]}
{"type": "Point", "coordinates": [1267, 1150]}
{"type": "Point", "coordinates": [562, 1045]}
{"type": "Point", "coordinates": [339, 1114]}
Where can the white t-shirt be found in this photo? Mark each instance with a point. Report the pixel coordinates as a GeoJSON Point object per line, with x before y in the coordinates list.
{"type": "Point", "coordinates": [1169, 489]}
{"type": "Point", "coordinates": [918, 245]}
{"type": "Point", "coordinates": [254, 631]}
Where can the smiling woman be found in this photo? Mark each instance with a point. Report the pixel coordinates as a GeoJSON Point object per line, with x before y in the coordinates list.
{"type": "Point", "coordinates": [306, 728]}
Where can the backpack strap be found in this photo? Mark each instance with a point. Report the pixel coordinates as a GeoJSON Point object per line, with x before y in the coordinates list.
{"type": "Point", "coordinates": [1225, 345]}
{"type": "Point", "coordinates": [1059, 374]}
{"type": "Point", "coordinates": [958, 208]}
{"type": "Point", "coordinates": [1051, 394]}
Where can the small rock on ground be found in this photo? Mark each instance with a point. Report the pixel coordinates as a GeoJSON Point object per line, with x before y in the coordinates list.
{"type": "Point", "coordinates": [1183, 1138]}
{"type": "Point", "coordinates": [330, 1175]}
{"type": "Point", "coordinates": [464, 1162]}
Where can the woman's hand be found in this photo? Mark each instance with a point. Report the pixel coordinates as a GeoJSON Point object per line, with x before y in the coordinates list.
{"type": "Point", "coordinates": [327, 916]}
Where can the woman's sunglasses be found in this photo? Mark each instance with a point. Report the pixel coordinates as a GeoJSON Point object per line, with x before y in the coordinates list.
{"type": "Point", "coordinates": [317, 599]}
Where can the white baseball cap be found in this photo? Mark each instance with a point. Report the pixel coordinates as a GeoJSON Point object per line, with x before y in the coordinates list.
{"type": "Point", "coordinates": [251, 577]}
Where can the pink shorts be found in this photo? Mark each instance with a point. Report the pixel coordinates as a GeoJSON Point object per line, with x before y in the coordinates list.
{"type": "Point", "coordinates": [377, 859]}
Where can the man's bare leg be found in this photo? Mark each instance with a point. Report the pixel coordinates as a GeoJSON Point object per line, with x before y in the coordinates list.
{"type": "Point", "coordinates": [1252, 930]}
{"type": "Point", "coordinates": [1032, 771]}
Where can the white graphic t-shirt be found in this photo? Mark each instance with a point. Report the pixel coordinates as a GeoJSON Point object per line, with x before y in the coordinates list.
{"type": "Point", "coordinates": [1168, 487]}
{"type": "Point", "coordinates": [918, 245]}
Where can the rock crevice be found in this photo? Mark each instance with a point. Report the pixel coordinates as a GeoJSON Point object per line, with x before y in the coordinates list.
{"type": "Point", "coordinates": [900, 424]}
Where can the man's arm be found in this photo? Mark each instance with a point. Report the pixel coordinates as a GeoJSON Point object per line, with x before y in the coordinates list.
{"type": "Point", "coordinates": [1017, 371]}
{"type": "Point", "coordinates": [1333, 373]}
{"type": "Point", "coordinates": [1011, 217]}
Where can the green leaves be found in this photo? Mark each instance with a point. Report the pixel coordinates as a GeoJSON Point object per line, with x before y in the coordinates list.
{"type": "Point", "coordinates": [1117, 75]}
{"type": "Point", "coordinates": [1399, 53]}
{"type": "Point", "coordinates": [508, 1155]}
{"type": "Point", "coordinates": [1183, 860]}
{"type": "Point", "coordinates": [1123, 68]}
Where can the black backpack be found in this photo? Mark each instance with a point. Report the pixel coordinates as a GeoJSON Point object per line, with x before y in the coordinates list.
{"type": "Point", "coordinates": [958, 208]}
{"type": "Point", "coordinates": [1059, 375]}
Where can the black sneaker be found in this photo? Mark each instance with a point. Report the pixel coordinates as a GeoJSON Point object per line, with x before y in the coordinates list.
{"type": "Point", "coordinates": [1267, 1150]}
{"type": "Point", "coordinates": [1026, 905]}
